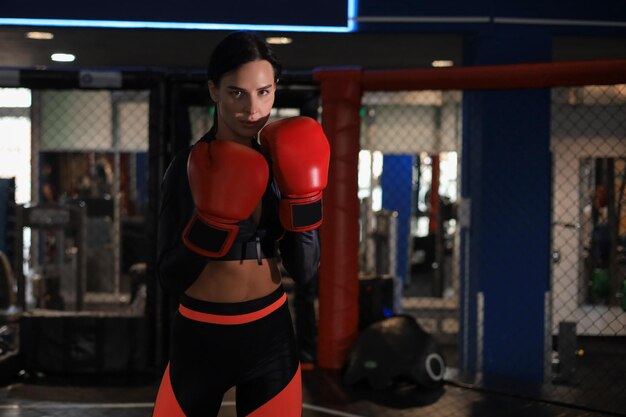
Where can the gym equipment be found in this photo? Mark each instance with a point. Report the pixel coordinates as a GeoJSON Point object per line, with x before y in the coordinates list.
{"type": "Point", "coordinates": [57, 260]}
{"type": "Point", "coordinates": [564, 365]}
{"type": "Point", "coordinates": [392, 350]}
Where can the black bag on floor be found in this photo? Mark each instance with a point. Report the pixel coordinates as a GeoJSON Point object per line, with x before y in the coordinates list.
{"type": "Point", "coordinates": [395, 349]}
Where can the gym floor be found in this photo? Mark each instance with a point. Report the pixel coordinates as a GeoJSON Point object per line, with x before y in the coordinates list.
{"type": "Point", "coordinates": [324, 395]}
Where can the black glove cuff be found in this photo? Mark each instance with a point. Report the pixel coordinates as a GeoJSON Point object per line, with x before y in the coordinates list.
{"type": "Point", "coordinates": [209, 238]}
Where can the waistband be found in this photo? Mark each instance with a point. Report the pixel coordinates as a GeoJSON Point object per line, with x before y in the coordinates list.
{"type": "Point", "coordinates": [232, 313]}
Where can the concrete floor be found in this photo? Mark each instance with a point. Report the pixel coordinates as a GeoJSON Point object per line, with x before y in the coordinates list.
{"type": "Point", "coordinates": [324, 395]}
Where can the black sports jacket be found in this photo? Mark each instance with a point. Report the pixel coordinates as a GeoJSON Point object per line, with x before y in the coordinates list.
{"type": "Point", "coordinates": [178, 267]}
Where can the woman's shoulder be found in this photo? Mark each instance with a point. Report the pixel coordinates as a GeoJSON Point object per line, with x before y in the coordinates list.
{"type": "Point", "coordinates": [178, 164]}
{"type": "Point", "coordinates": [177, 167]}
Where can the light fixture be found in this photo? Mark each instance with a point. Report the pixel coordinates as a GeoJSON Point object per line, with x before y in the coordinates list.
{"type": "Point", "coordinates": [40, 35]}
{"type": "Point", "coordinates": [60, 57]}
{"type": "Point", "coordinates": [442, 63]}
{"type": "Point", "coordinates": [279, 40]}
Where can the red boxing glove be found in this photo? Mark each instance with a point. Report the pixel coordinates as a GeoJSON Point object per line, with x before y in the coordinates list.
{"type": "Point", "coordinates": [300, 155]}
{"type": "Point", "coordinates": [227, 181]}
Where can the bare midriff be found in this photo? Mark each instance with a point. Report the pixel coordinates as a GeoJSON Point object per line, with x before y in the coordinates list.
{"type": "Point", "coordinates": [238, 280]}
{"type": "Point", "coordinates": [235, 281]}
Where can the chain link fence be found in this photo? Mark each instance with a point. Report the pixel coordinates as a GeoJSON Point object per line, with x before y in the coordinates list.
{"type": "Point", "coordinates": [77, 228]}
{"type": "Point", "coordinates": [588, 144]}
{"type": "Point", "coordinates": [91, 152]}
{"type": "Point", "coordinates": [410, 144]}
{"type": "Point", "coordinates": [85, 161]}
{"type": "Point", "coordinates": [90, 149]}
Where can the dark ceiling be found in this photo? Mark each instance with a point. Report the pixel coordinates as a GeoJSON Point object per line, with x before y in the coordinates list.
{"type": "Point", "coordinates": [189, 49]}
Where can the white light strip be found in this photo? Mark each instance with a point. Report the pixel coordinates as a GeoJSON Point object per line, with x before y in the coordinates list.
{"type": "Point", "coordinates": [40, 35]}
{"type": "Point", "coordinates": [423, 19]}
{"type": "Point", "coordinates": [557, 22]}
{"type": "Point", "coordinates": [63, 57]}
{"type": "Point", "coordinates": [278, 40]}
{"type": "Point", "coordinates": [442, 63]}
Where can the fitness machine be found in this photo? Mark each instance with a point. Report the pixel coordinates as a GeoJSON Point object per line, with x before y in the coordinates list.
{"type": "Point", "coordinates": [56, 263]}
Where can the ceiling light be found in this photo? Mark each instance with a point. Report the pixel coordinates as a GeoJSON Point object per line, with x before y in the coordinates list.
{"type": "Point", "coordinates": [62, 57]}
{"type": "Point", "coordinates": [40, 35]}
{"type": "Point", "coordinates": [279, 40]}
{"type": "Point", "coordinates": [442, 63]}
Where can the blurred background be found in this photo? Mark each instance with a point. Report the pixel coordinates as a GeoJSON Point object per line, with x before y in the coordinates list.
{"type": "Point", "coordinates": [486, 168]}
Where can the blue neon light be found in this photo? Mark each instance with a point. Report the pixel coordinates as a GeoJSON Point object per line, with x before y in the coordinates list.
{"type": "Point", "coordinates": [352, 11]}
{"type": "Point", "coordinates": [350, 26]}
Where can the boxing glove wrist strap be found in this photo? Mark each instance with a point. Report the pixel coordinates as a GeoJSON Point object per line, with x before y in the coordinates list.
{"type": "Point", "coordinates": [209, 238]}
{"type": "Point", "coordinates": [301, 214]}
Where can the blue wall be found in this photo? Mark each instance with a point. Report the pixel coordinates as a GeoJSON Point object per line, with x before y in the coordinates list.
{"type": "Point", "coordinates": [507, 176]}
{"type": "Point", "coordinates": [397, 187]}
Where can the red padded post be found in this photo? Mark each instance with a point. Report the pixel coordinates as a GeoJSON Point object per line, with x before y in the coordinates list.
{"type": "Point", "coordinates": [339, 266]}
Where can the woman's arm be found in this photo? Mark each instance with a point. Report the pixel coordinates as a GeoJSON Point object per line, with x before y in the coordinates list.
{"type": "Point", "coordinates": [300, 254]}
{"type": "Point", "coordinates": [177, 266]}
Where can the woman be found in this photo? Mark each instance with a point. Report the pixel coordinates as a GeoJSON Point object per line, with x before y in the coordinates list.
{"type": "Point", "coordinates": [219, 228]}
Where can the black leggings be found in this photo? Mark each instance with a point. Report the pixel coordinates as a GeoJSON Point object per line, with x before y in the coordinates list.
{"type": "Point", "coordinates": [216, 346]}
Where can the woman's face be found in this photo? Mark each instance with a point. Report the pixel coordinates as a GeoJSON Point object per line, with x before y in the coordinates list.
{"type": "Point", "coordinates": [244, 99]}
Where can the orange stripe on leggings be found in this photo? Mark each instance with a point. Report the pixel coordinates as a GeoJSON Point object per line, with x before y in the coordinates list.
{"type": "Point", "coordinates": [237, 319]}
{"type": "Point", "coordinates": [166, 404]}
{"type": "Point", "coordinates": [287, 403]}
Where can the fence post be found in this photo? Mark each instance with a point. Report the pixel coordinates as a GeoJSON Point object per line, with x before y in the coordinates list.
{"type": "Point", "coordinates": [339, 267]}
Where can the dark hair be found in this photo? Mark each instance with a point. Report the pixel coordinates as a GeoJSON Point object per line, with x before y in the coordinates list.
{"type": "Point", "coordinates": [239, 48]}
